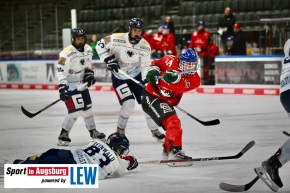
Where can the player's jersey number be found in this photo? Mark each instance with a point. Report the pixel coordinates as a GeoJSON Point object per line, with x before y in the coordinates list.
{"type": "Point", "coordinates": [103, 158]}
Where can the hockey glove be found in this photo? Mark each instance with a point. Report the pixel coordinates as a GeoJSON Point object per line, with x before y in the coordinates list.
{"type": "Point", "coordinates": [112, 63]}
{"type": "Point", "coordinates": [133, 162]}
{"type": "Point", "coordinates": [152, 72]}
{"type": "Point", "coordinates": [63, 92]}
{"type": "Point", "coordinates": [171, 76]}
{"type": "Point", "coordinates": [89, 77]}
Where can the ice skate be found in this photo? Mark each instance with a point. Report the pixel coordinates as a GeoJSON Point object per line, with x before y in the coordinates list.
{"type": "Point", "coordinates": [177, 154]}
{"type": "Point", "coordinates": [63, 139]}
{"type": "Point", "coordinates": [158, 135]}
{"type": "Point", "coordinates": [120, 131]}
{"type": "Point", "coordinates": [97, 135]}
{"type": "Point", "coordinates": [269, 173]}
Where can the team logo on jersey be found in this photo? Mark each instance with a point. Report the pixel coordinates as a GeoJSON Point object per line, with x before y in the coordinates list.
{"type": "Point", "coordinates": [130, 53]}
{"type": "Point", "coordinates": [82, 61]}
{"type": "Point", "coordinates": [166, 108]}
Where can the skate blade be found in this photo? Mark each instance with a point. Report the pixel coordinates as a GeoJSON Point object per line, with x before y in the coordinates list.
{"type": "Point", "coordinates": [262, 173]}
{"type": "Point", "coordinates": [63, 143]}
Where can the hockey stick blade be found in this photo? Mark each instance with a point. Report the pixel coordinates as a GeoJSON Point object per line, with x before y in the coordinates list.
{"type": "Point", "coordinates": [238, 188]}
{"type": "Point", "coordinates": [205, 123]}
{"type": "Point", "coordinates": [237, 156]}
{"type": "Point", "coordinates": [31, 115]}
{"type": "Point", "coordinates": [286, 133]}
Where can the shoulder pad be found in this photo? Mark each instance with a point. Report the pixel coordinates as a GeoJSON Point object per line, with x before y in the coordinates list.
{"type": "Point", "coordinates": [107, 39]}
{"type": "Point", "coordinates": [119, 35]}
{"type": "Point", "coordinates": [67, 49]}
{"type": "Point", "coordinates": [88, 48]}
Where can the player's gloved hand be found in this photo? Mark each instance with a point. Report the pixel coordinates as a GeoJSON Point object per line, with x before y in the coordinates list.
{"type": "Point", "coordinates": [171, 76]}
{"type": "Point", "coordinates": [152, 72]}
{"type": "Point", "coordinates": [133, 162]}
{"type": "Point", "coordinates": [112, 63]}
{"type": "Point", "coordinates": [89, 77]}
{"type": "Point", "coordinates": [169, 52]}
{"type": "Point", "coordinates": [63, 92]}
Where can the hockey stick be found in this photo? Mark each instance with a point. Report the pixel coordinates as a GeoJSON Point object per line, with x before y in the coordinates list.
{"type": "Point", "coordinates": [286, 133]}
{"type": "Point", "coordinates": [237, 156]}
{"type": "Point", "coordinates": [205, 123]}
{"type": "Point", "coordinates": [31, 115]}
{"type": "Point", "coordinates": [238, 188]}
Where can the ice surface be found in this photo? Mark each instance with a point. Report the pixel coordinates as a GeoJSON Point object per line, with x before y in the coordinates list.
{"type": "Point", "coordinates": [243, 118]}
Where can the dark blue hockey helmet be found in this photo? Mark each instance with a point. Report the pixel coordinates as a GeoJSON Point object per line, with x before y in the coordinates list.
{"type": "Point", "coordinates": [119, 143]}
{"type": "Point", "coordinates": [135, 23]}
{"type": "Point", "coordinates": [78, 32]}
{"type": "Point", "coordinates": [188, 60]}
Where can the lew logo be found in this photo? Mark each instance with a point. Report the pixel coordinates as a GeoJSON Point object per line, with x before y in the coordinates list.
{"type": "Point", "coordinates": [166, 108]}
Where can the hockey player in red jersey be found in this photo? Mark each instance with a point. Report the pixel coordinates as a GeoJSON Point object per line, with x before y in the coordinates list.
{"type": "Point", "coordinates": [199, 40]}
{"type": "Point", "coordinates": [161, 96]}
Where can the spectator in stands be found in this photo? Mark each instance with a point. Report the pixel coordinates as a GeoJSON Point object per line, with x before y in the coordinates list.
{"type": "Point", "coordinates": [156, 42]}
{"type": "Point", "coordinates": [93, 46]}
{"type": "Point", "coordinates": [200, 40]}
{"type": "Point", "coordinates": [170, 24]}
{"type": "Point", "coordinates": [168, 41]}
{"type": "Point", "coordinates": [229, 43]}
{"type": "Point", "coordinates": [226, 24]}
{"type": "Point", "coordinates": [239, 44]}
{"type": "Point", "coordinates": [213, 49]}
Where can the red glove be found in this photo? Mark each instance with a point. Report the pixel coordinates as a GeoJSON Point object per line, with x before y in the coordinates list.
{"type": "Point", "coordinates": [133, 162]}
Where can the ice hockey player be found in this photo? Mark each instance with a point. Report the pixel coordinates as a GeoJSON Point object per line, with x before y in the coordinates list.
{"type": "Point", "coordinates": [112, 156]}
{"type": "Point", "coordinates": [74, 69]}
{"type": "Point", "coordinates": [130, 53]}
{"type": "Point", "coordinates": [161, 96]}
{"type": "Point", "coordinates": [272, 165]}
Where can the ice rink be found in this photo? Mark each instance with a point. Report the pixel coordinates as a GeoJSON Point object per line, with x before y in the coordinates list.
{"type": "Point", "coordinates": [243, 118]}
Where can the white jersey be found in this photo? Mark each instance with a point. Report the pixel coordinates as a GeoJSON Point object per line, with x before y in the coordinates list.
{"type": "Point", "coordinates": [71, 65]}
{"type": "Point", "coordinates": [97, 152]}
{"type": "Point", "coordinates": [132, 58]}
{"type": "Point", "coordinates": [285, 75]}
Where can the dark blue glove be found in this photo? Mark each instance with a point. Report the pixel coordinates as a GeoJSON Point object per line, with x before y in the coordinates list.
{"type": "Point", "coordinates": [89, 77]}
{"type": "Point", "coordinates": [112, 63]}
{"type": "Point", "coordinates": [63, 92]}
{"type": "Point", "coordinates": [133, 162]}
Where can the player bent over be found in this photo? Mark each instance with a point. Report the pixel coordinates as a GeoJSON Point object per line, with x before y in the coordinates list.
{"type": "Point", "coordinates": [160, 98]}
{"type": "Point", "coordinates": [282, 156]}
{"type": "Point", "coordinates": [73, 69]}
{"type": "Point", "coordinates": [132, 54]}
{"type": "Point", "coordinates": [111, 156]}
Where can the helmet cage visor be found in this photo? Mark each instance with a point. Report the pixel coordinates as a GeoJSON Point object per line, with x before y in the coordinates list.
{"type": "Point", "coordinates": [188, 66]}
